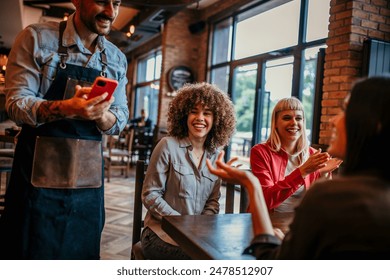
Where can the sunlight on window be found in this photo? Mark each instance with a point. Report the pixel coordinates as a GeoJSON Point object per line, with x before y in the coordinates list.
{"type": "Point", "coordinates": [271, 30]}
{"type": "Point", "coordinates": [318, 20]}
{"type": "Point", "coordinates": [150, 69]}
{"type": "Point", "coordinates": [279, 78]}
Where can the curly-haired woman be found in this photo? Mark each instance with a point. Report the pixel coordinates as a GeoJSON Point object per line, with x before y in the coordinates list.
{"type": "Point", "coordinates": [201, 120]}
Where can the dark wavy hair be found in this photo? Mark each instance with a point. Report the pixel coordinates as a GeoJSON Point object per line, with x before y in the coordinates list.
{"type": "Point", "coordinates": [367, 118]}
{"type": "Point", "coordinates": [208, 95]}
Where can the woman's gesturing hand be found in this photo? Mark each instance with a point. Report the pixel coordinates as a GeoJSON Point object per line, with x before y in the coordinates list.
{"type": "Point", "coordinates": [315, 162]}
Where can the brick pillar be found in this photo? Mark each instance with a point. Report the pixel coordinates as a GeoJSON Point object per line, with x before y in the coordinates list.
{"type": "Point", "coordinates": [351, 22]}
{"type": "Point", "coordinates": [180, 48]}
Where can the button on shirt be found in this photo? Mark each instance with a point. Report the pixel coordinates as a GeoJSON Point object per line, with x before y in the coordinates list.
{"type": "Point", "coordinates": [173, 184]}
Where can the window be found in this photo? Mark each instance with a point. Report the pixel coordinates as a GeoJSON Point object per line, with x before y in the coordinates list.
{"type": "Point", "coordinates": [263, 53]}
{"type": "Point", "coordinates": [267, 31]}
{"type": "Point", "coordinates": [148, 85]}
{"type": "Point", "coordinates": [222, 38]}
{"type": "Point", "coordinates": [317, 20]}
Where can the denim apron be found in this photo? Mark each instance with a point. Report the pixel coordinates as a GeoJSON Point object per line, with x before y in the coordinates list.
{"type": "Point", "coordinates": [54, 223]}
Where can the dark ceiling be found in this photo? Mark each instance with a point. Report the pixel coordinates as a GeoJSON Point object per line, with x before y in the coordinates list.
{"type": "Point", "coordinates": [146, 15]}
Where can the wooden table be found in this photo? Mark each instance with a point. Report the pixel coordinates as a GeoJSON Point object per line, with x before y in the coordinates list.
{"type": "Point", "coordinates": [217, 237]}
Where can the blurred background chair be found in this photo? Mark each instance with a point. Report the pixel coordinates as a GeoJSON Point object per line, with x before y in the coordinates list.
{"type": "Point", "coordinates": [7, 149]}
{"type": "Point", "coordinates": [142, 143]}
{"type": "Point", "coordinates": [117, 153]}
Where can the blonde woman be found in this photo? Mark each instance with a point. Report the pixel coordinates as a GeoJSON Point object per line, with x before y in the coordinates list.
{"type": "Point", "coordinates": [285, 164]}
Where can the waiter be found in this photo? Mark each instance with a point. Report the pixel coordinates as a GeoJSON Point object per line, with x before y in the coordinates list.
{"type": "Point", "coordinates": [54, 207]}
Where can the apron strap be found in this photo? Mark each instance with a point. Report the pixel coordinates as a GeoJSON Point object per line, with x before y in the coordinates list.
{"type": "Point", "coordinates": [103, 60]}
{"type": "Point", "coordinates": [62, 51]}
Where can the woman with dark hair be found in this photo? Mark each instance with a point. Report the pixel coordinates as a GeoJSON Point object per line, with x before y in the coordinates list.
{"type": "Point", "coordinates": [285, 164]}
{"type": "Point", "coordinates": [347, 217]}
{"type": "Point", "coordinates": [201, 120]}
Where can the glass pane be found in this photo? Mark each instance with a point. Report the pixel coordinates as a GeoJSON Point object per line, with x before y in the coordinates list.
{"type": "Point", "coordinates": [158, 66]}
{"type": "Point", "coordinates": [146, 69]}
{"type": "Point", "coordinates": [147, 98]}
{"type": "Point", "coordinates": [243, 95]}
{"type": "Point", "coordinates": [318, 20]}
{"type": "Point", "coordinates": [222, 38]}
{"type": "Point", "coordinates": [278, 85]}
{"type": "Point", "coordinates": [270, 30]}
{"type": "Point", "coordinates": [150, 69]}
{"type": "Point", "coordinates": [220, 77]}
{"type": "Point", "coordinates": [308, 88]}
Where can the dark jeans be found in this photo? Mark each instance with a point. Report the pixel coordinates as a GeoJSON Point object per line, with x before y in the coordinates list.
{"type": "Point", "coordinates": [156, 249]}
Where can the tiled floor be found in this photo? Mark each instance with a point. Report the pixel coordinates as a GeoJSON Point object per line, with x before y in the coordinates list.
{"type": "Point", "coordinates": [116, 237]}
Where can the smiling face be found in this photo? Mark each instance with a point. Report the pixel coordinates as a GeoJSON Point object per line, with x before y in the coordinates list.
{"type": "Point", "coordinates": [289, 124]}
{"type": "Point", "coordinates": [199, 122]}
{"type": "Point", "coordinates": [338, 140]}
{"type": "Point", "coordinates": [97, 16]}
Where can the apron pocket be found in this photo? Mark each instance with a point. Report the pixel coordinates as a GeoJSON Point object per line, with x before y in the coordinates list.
{"type": "Point", "coordinates": [63, 163]}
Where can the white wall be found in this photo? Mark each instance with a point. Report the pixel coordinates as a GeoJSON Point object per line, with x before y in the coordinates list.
{"type": "Point", "coordinates": [10, 21]}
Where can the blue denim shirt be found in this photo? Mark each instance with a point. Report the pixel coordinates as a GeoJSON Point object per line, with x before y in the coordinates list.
{"type": "Point", "coordinates": [32, 66]}
{"type": "Point", "coordinates": [173, 184]}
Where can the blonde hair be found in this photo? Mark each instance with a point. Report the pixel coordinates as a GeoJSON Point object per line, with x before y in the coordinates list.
{"type": "Point", "coordinates": [302, 148]}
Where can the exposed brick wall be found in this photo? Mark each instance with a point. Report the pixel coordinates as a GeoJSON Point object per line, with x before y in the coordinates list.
{"type": "Point", "coordinates": [351, 22]}
{"type": "Point", "coordinates": [180, 48]}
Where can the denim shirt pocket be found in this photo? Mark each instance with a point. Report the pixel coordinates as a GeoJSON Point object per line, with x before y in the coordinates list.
{"type": "Point", "coordinates": [48, 72]}
{"type": "Point", "coordinates": [209, 181]}
{"type": "Point", "coordinates": [211, 177]}
{"type": "Point", "coordinates": [186, 180]}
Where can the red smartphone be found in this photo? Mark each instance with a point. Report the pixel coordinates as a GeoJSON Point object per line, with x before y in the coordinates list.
{"type": "Point", "coordinates": [102, 85]}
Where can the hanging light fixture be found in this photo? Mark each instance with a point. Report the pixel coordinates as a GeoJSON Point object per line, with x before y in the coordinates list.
{"type": "Point", "coordinates": [131, 30]}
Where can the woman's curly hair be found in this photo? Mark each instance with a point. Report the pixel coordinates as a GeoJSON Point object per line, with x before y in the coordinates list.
{"type": "Point", "coordinates": [216, 100]}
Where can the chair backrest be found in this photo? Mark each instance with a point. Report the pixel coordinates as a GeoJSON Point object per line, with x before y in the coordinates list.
{"type": "Point", "coordinates": [231, 189]}
{"type": "Point", "coordinates": [138, 222]}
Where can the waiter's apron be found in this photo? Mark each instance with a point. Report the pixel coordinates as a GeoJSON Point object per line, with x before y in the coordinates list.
{"type": "Point", "coordinates": [61, 219]}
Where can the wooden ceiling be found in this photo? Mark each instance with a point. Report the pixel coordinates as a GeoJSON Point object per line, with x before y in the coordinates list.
{"type": "Point", "coordinates": [147, 15]}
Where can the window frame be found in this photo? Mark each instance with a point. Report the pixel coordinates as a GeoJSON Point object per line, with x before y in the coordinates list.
{"type": "Point", "coordinates": [296, 51]}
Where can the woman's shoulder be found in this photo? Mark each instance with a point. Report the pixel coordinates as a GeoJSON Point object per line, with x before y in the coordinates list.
{"type": "Point", "coordinates": [346, 194]}
{"type": "Point", "coordinates": [264, 150]}
{"type": "Point", "coordinates": [349, 184]}
{"type": "Point", "coordinates": [173, 143]}
{"type": "Point", "coordinates": [264, 147]}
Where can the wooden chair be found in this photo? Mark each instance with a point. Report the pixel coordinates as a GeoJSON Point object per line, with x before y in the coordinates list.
{"type": "Point", "coordinates": [138, 223]}
{"type": "Point", "coordinates": [117, 154]}
{"type": "Point", "coordinates": [230, 194]}
{"type": "Point", "coordinates": [142, 143]}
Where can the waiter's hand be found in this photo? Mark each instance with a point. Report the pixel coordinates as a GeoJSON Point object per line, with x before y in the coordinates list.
{"type": "Point", "coordinates": [93, 109]}
{"type": "Point", "coordinates": [78, 107]}
{"type": "Point", "coordinates": [96, 108]}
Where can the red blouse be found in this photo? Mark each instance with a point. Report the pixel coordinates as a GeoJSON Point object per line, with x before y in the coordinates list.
{"type": "Point", "coordinates": [269, 167]}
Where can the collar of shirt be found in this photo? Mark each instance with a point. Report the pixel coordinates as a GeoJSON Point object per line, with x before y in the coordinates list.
{"type": "Point", "coordinates": [72, 38]}
{"type": "Point", "coordinates": [186, 143]}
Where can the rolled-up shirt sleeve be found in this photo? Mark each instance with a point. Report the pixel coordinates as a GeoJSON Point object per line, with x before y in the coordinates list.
{"type": "Point", "coordinates": [119, 108]}
{"type": "Point", "coordinates": [23, 77]}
